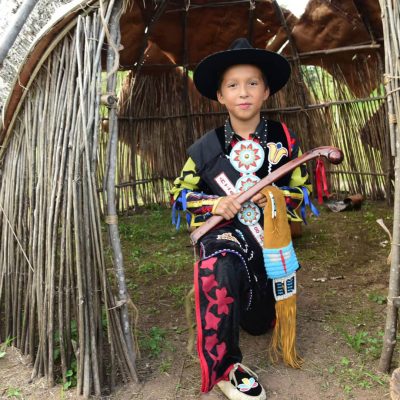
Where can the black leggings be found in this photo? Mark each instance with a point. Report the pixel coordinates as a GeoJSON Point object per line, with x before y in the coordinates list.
{"type": "Point", "coordinates": [231, 290]}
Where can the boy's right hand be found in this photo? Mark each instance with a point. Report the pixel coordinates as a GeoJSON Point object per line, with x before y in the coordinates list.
{"type": "Point", "coordinates": [228, 206]}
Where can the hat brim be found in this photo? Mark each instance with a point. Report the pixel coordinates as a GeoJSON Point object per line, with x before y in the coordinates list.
{"type": "Point", "coordinates": [207, 74]}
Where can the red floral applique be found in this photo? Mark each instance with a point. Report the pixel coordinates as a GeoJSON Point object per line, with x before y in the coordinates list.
{"type": "Point", "coordinates": [212, 321]}
{"type": "Point", "coordinates": [223, 300]}
{"type": "Point", "coordinates": [208, 282]}
{"type": "Point", "coordinates": [221, 351]}
{"type": "Point", "coordinates": [209, 263]}
{"type": "Point", "coordinates": [210, 342]}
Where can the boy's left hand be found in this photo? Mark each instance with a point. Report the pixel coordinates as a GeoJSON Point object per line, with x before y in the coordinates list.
{"type": "Point", "coordinates": [260, 200]}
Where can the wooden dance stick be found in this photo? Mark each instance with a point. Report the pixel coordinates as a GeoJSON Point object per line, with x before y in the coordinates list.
{"type": "Point", "coordinates": [333, 155]}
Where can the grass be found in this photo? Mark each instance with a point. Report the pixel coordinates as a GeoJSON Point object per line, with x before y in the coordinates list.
{"type": "Point", "coordinates": [353, 374]}
{"type": "Point", "coordinates": [364, 343]}
{"type": "Point", "coordinates": [154, 341]}
{"type": "Point", "coordinates": [179, 292]}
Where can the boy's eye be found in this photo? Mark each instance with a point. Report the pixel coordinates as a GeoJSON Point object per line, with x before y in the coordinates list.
{"type": "Point", "coordinates": [254, 83]}
{"type": "Point", "coordinates": [230, 85]}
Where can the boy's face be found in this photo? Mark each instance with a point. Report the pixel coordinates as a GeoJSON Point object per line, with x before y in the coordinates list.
{"type": "Point", "coordinates": [243, 92]}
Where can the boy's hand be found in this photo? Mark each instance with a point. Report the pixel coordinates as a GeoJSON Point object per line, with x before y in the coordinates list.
{"type": "Point", "coordinates": [228, 206]}
{"type": "Point", "coordinates": [260, 200]}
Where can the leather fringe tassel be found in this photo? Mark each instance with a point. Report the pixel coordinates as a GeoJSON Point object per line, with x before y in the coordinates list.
{"type": "Point", "coordinates": [281, 265]}
{"type": "Point", "coordinates": [283, 344]}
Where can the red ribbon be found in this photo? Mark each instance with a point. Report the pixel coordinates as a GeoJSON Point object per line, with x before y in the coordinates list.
{"type": "Point", "coordinates": [321, 182]}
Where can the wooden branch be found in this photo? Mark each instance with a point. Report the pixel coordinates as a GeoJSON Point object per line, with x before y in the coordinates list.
{"type": "Point", "coordinates": [281, 17]}
{"type": "Point", "coordinates": [161, 6]}
{"type": "Point", "coordinates": [344, 172]}
{"type": "Point", "coordinates": [390, 22]}
{"type": "Point", "coordinates": [359, 46]}
{"type": "Point", "coordinates": [111, 204]}
{"type": "Point", "coordinates": [15, 27]}
{"type": "Point", "coordinates": [345, 49]}
{"type": "Point", "coordinates": [306, 108]}
{"type": "Point", "coordinates": [139, 182]}
{"type": "Point", "coordinates": [364, 17]}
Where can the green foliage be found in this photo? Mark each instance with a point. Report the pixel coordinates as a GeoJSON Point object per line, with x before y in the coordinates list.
{"type": "Point", "coordinates": [71, 376]}
{"type": "Point", "coordinates": [345, 361]}
{"type": "Point", "coordinates": [165, 366]}
{"type": "Point", "coordinates": [363, 342]}
{"type": "Point", "coordinates": [377, 298]}
{"type": "Point", "coordinates": [354, 375]}
{"type": "Point", "coordinates": [3, 347]}
{"type": "Point", "coordinates": [14, 393]}
{"type": "Point", "coordinates": [178, 292]}
{"type": "Point", "coordinates": [130, 231]}
{"type": "Point", "coordinates": [154, 342]}
{"type": "Point", "coordinates": [356, 341]}
{"type": "Point", "coordinates": [131, 285]}
{"type": "Point", "coordinates": [57, 344]}
{"type": "Point", "coordinates": [147, 267]}
{"type": "Point", "coordinates": [136, 254]}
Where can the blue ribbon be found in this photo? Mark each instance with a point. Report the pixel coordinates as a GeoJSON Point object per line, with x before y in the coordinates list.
{"type": "Point", "coordinates": [307, 202]}
{"type": "Point", "coordinates": [180, 204]}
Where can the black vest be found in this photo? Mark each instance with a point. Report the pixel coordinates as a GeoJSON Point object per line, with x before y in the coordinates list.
{"type": "Point", "coordinates": [210, 158]}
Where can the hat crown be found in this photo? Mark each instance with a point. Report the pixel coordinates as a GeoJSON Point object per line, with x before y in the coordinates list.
{"type": "Point", "coordinates": [240, 43]}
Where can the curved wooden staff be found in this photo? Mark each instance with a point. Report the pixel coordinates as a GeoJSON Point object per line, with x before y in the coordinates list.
{"type": "Point", "coordinates": [333, 154]}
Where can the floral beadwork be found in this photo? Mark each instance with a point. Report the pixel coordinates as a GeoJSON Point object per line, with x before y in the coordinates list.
{"type": "Point", "coordinates": [245, 182]}
{"type": "Point", "coordinates": [247, 156]}
{"type": "Point", "coordinates": [276, 152]}
{"type": "Point", "coordinates": [247, 384]}
{"type": "Point", "coordinates": [228, 236]}
{"type": "Point", "coordinates": [249, 214]}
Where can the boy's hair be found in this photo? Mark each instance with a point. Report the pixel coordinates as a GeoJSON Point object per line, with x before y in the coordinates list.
{"type": "Point", "coordinates": [264, 77]}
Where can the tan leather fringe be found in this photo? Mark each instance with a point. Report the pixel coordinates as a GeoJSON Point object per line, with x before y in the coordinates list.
{"type": "Point", "coordinates": [283, 343]}
{"type": "Point", "coordinates": [277, 235]}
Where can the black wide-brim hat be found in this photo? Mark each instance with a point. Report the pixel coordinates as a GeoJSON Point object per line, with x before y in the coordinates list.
{"type": "Point", "coordinates": [209, 71]}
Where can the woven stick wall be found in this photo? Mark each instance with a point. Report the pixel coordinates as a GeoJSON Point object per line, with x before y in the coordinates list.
{"type": "Point", "coordinates": [55, 296]}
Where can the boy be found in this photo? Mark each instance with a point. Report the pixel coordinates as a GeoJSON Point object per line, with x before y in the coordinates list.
{"type": "Point", "coordinates": [231, 285]}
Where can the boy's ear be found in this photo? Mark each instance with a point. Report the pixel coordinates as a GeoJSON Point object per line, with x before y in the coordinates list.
{"type": "Point", "coordinates": [266, 93]}
{"type": "Point", "coordinates": [220, 97]}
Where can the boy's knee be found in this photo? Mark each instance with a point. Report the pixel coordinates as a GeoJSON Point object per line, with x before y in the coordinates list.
{"type": "Point", "coordinates": [231, 265]}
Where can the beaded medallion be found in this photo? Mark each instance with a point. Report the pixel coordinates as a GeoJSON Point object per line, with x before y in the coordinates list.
{"type": "Point", "coordinates": [249, 214]}
{"type": "Point", "coordinates": [246, 182]}
{"type": "Point", "coordinates": [247, 157]}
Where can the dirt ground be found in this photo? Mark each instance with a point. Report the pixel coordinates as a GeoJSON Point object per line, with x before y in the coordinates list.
{"type": "Point", "coordinates": [341, 314]}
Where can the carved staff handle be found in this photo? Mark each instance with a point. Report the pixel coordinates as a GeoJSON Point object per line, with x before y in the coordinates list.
{"type": "Point", "coordinates": [333, 154]}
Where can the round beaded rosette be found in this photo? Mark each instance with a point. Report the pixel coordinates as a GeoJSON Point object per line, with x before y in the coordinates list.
{"type": "Point", "coordinates": [249, 214]}
{"type": "Point", "coordinates": [246, 182]}
{"type": "Point", "coordinates": [247, 157]}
